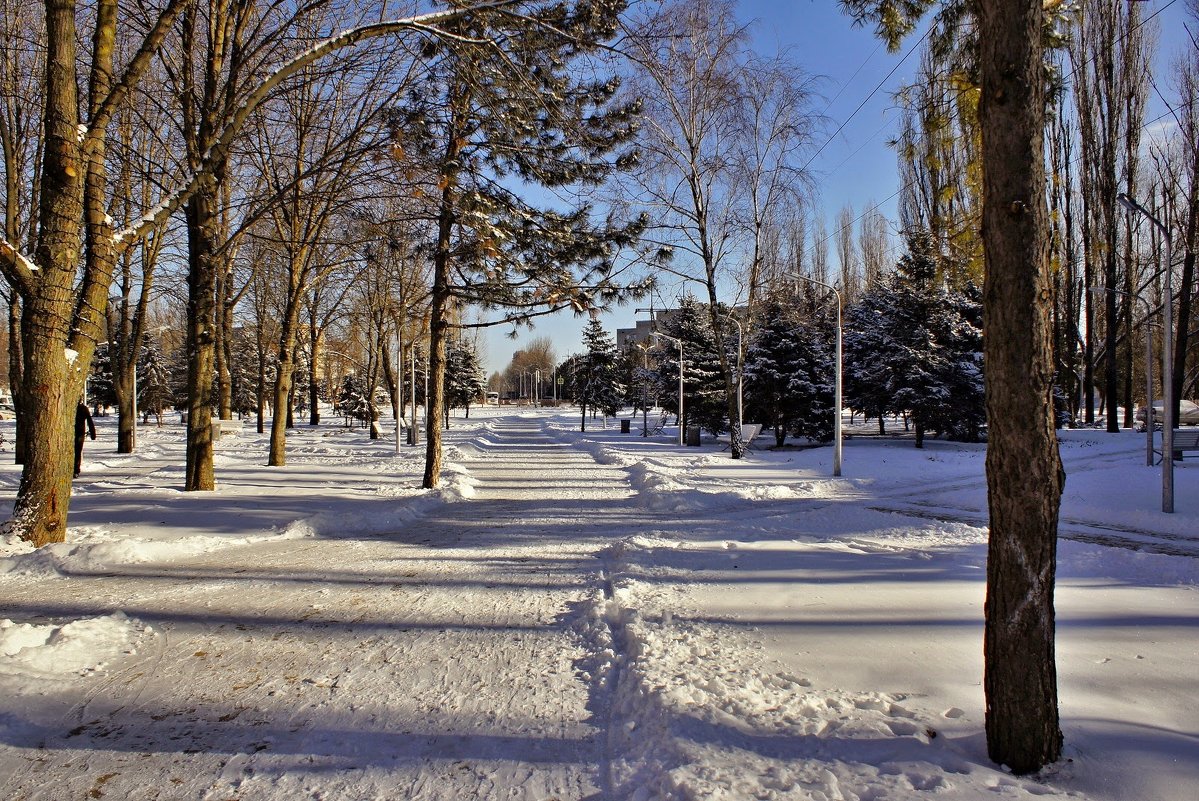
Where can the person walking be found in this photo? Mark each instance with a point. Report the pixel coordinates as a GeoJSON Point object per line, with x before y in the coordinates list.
{"type": "Point", "coordinates": [83, 420]}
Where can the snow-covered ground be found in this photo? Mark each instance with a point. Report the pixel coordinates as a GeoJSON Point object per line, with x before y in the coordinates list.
{"type": "Point", "coordinates": [579, 616]}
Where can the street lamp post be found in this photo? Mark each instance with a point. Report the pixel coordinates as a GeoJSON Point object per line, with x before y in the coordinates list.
{"type": "Point", "coordinates": [1167, 356]}
{"type": "Point", "coordinates": [399, 383]}
{"type": "Point", "coordinates": [1098, 290]}
{"type": "Point", "coordinates": [740, 369]}
{"type": "Point", "coordinates": [837, 380]}
{"type": "Point", "coordinates": [678, 342]}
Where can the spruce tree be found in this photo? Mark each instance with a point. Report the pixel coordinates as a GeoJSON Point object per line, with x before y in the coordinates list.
{"type": "Point", "coordinates": [154, 388]}
{"type": "Point", "coordinates": [705, 400]}
{"type": "Point", "coordinates": [100, 388]}
{"type": "Point", "coordinates": [464, 382]}
{"type": "Point", "coordinates": [789, 369]}
{"type": "Point", "coordinates": [352, 402]}
{"type": "Point", "coordinates": [597, 373]}
{"type": "Point", "coordinates": [867, 350]}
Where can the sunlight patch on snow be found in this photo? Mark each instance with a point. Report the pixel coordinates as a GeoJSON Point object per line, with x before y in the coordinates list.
{"type": "Point", "coordinates": [79, 648]}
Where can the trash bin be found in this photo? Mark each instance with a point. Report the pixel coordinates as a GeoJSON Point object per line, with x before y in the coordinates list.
{"type": "Point", "coordinates": [624, 426]}
{"type": "Point", "coordinates": [693, 436]}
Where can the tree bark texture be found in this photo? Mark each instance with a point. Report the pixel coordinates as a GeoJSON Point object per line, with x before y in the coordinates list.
{"type": "Point", "coordinates": [284, 370]}
{"type": "Point", "coordinates": [439, 327]}
{"type": "Point", "coordinates": [1024, 471]}
{"type": "Point", "coordinates": [49, 386]}
{"type": "Point", "coordinates": [201, 323]}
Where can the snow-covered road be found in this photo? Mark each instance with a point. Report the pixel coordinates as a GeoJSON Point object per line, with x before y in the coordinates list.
{"type": "Point", "coordinates": [413, 664]}
{"type": "Point", "coordinates": [578, 616]}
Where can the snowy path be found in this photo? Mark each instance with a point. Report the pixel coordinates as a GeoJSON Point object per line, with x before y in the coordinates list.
{"type": "Point", "coordinates": [578, 615]}
{"type": "Point", "coordinates": [414, 665]}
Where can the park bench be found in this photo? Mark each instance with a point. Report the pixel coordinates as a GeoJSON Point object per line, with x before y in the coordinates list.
{"type": "Point", "coordinates": [1185, 439]}
{"type": "Point", "coordinates": [656, 428]}
{"type": "Point", "coordinates": [749, 432]}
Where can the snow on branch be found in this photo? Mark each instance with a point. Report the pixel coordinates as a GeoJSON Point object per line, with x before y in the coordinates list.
{"type": "Point", "coordinates": [170, 204]}
{"type": "Point", "coordinates": [15, 265]}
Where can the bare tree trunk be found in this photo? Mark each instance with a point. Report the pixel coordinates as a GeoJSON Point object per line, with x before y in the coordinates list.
{"type": "Point", "coordinates": [315, 337]}
{"type": "Point", "coordinates": [49, 388]}
{"type": "Point", "coordinates": [277, 456]}
{"type": "Point", "coordinates": [439, 323]}
{"type": "Point", "coordinates": [201, 321]}
{"type": "Point", "coordinates": [1024, 470]}
{"type": "Point", "coordinates": [16, 371]}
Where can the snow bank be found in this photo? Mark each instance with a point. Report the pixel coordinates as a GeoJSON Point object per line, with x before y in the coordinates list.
{"type": "Point", "coordinates": [31, 652]}
{"type": "Point", "coordinates": [313, 496]}
{"type": "Point", "coordinates": [697, 710]}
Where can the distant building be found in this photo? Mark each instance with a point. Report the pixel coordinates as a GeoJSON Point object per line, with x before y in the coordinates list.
{"type": "Point", "coordinates": [640, 333]}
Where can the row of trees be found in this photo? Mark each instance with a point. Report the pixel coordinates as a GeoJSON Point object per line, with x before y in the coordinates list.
{"type": "Point", "coordinates": [284, 164]}
{"type": "Point", "coordinates": [161, 381]}
{"type": "Point", "coordinates": [913, 348]}
{"type": "Point", "coordinates": [260, 168]}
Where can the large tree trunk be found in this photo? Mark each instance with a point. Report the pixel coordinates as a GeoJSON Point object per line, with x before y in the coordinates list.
{"type": "Point", "coordinates": [281, 420]}
{"type": "Point", "coordinates": [201, 322]}
{"type": "Point", "coordinates": [50, 385]}
{"type": "Point", "coordinates": [278, 449]}
{"type": "Point", "coordinates": [40, 512]}
{"type": "Point", "coordinates": [439, 327]}
{"type": "Point", "coordinates": [1024, 471]}
{"type": "Point", "coordinates": [16, 371]}
{"type": "Point", "coordinates": [123, 385]}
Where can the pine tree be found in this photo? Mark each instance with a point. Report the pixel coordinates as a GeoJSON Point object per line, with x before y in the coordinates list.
{"type": "Point", "coordinates": [507, 101]}
{"type": "Point", "coordinates": [155, 390]}
{"type": "Point", "coordinates": [243, 372]}
{"type": "Point", "coordinates": [597, 373]}
{"type": "Point", "coordinates": [867, 349]}
{"type": "Point", "coordinates": [464, 382]}
{"type": "Point", "coordinates": [789, 369]}
{"type": "Point", "coordinates": [922, 354]}
{"type": "Point", "coordinates": [352, 402]}
{"type": "Point", "coordinates": [100, 388]}
{"type": "Point", "coordinates": [705, 400]}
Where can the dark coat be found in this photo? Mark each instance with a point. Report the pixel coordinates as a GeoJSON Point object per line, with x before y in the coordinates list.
{"type": "Point", "coordinates": [83, 420]}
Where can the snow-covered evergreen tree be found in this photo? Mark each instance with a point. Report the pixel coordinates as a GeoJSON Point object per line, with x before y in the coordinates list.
{"type": "Point", "coordinates": [597, 373]}
{"type": "Point", "coordinates": [243, 371]}
{"type": "Point", "coordinates": [464, 382]}
{"type": "Point", "coordinates": [352, 402]}
{"type": "Point", "coordinates": [789, 370]}
{"type": "Point", "coordinates": [866, 353]}
{"type": "Point", "coordinates": [155, 390]}
{"type": "Point", "coordinates": [100, 389]}
{"type": "Point", "coordinates": [704, 397]}
{"type": "Point", "coordinates": [914, 347]}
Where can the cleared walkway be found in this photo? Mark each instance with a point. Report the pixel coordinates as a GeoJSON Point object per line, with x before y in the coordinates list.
{"type": "Point", "coordinates": [436, 662]}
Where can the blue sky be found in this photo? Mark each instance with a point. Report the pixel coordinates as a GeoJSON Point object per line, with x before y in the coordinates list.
{"type": "Point", "coordinates": [855, 166]}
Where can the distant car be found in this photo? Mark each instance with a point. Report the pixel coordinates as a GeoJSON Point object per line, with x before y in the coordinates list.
{"type": "Point", "coordinates": [1188, 414]}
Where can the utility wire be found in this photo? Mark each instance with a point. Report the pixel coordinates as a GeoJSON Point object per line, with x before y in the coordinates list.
{"type": "Point", "coordinates": [873, 92]}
